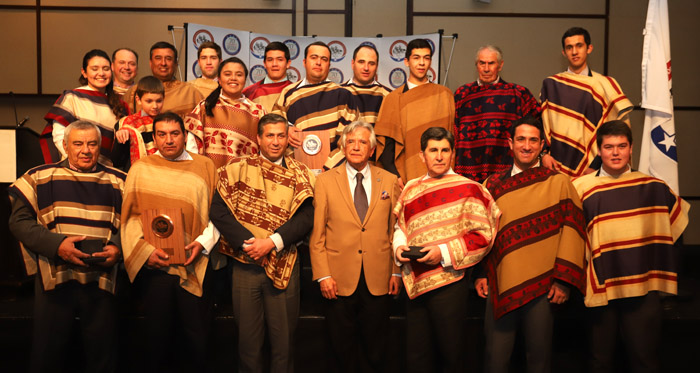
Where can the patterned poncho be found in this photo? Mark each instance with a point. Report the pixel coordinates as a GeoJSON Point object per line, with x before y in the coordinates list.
{"type": "Point", "coordinates": [369, 99]}
{"type": "Point", "coordinates": [262, 196]}
{"type": "Point", "coordinates": [632, 223]}
{"type": "Point", "coordinates": [483, 116]}
{"type": "Point", "coordinates": [140, 129]}
{"type": "Point", "coordinates": [540, 237]}
{"type": "Point", "coordinates": [573, 107]}
{"type": "Point", "coordinates": [155, 182]}
{"type": "Point", "coordinates": [265, 94]}
{"type": "Point", "coordinates": [450, 210]}
{"type": "Point", "coordinates": [405, 115]}
{"type": "Point", "coordinates": [73, 204]}
{"type": "Point", "coordinates": [82, 103]}
{"type": "Point", "coordinates": [230, 133]}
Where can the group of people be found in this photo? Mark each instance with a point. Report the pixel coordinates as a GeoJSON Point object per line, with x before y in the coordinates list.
{"type": "Point", "coordinates": [410, 189]}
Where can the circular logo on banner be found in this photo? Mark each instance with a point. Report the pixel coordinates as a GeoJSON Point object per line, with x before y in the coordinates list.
{"type": "Point", "coordinates": [196, 70]}
{"type": "Point", "coordinates": [257, 73]}
{"type": "Point", "coordinates": [293, 48]}
{"type": "Point", "coordinates": [397, 77]}
{"type": "Point", "coordinates": [338, 50]}
{"type": "Point", "coordinates": [311, 145]}
{"type": "Point", "coordinates": [293, 74]}
{"type": "Point", "coordinates": [232, 44]}
{"type": "Point", "coordinates": [397, 51]}
{"type": "Point", "coordinates": [432, 45]}
{"type": "Point", "coordinates": [335, 75]}
{"type": "Point", "coordinates": [162, 226]}
{"type": "Point", "coordinates": [201, 36]}
{"type": "Point", "coordinates": [369, 44]}
{"type": "Point", "coordinates": [257, 46]}
{"type": "Point", "coordinates": [431, 75]}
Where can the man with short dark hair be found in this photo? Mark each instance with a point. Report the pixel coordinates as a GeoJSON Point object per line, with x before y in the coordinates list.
{"type": "Point", "coordinates": [408, 111]}
{"type": "Point", "coordinates": [177, 300]}
{"type": "Point", "coordinates": [538, 254]}
{"type": "Point", "coordinates": [364, 85]}
{"type": "Point", "coordinates": [125, 67]}
{"type": "Point", "coordinates": [180, 97]}
{"type": "Point", "coordinates": [446, 223]}
{"type": "Point", "coordinates": [350, 252]}
{"type": "Point", "coordinates": [485, 110]}
{"type": "Point", "coordinates": [208, 58]}
{"type": "Point", "coordinates": [574, 104]}
{"type": "Point", "coordinates": [266, 91]}
{"type": "Point", "coordinates": [628, 269]}
{"type": "Point", "coordinates": [57, 210]}
{"type": "Point", "coordinates": [263, 207]}
{"type": "Point", "coordinates": [315, 103]}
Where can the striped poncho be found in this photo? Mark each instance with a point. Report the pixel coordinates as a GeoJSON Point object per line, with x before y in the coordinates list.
{"type": "Point", "coordinates": [265, 94]}
{"type": "Point", "coordinates": [155, 182]}
{"type": "Point", "coordinates": [230, 133]}
{"type": "Point", "coordinates": [632, 223]}
{"type": "Point", "coordinates": [450, 210]}
{"type": "Point", "coordinates": [540, 237]}
{"type": "Point", "coordinates": [72, 203]}
{"type": "Point", "coordinates": [573, 106]}
{"type": "Point", "coordinates": [369, 99]}
{"type": "Point", "coordinates": [483, 116]}
{"type": "Point", "coordinates": [82, 103]}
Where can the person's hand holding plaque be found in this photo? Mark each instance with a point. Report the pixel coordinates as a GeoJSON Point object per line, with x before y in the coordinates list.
{"type": "Point", "coordinates": [194, 249]}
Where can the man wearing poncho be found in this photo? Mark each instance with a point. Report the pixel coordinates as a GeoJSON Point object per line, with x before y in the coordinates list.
{"type": "Point", "coordinates": [263, 208]}
{"type": "Point", "coordinates": [632, 221]}
{"type": "Point", "coordinates": [54, 208]}
{"type": "Point", "coordinates": [537, 256]}
{"type": "Point", "coordinates": [408, 111]}
{"type": "Point", "coordinates": [175, 298]}
{"type": "Point", "coordinates": [574, 104]}
{"type": "Point", "coordinates": [454, 220]}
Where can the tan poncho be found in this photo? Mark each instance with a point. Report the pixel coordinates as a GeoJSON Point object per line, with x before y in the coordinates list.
{"type": "Point", "coordinates": [155, 182]}
{"type": "Point", "coordinates": [404, 116]}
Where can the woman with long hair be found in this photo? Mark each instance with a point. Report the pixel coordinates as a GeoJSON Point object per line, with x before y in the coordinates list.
{"type": "Point", "coordinates": [225, 124]}
{"type": "Point", "coordinates": [95, 101]}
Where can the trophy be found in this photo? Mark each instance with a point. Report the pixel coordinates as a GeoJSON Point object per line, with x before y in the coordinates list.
{"type": "Point", "coordinates": [315, 148]}
{"type": "Point", "coordinates": [164, 229]}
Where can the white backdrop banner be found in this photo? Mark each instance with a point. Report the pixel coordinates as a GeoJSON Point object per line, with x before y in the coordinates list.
{"type": "Point", "coordinates": [250, 47]}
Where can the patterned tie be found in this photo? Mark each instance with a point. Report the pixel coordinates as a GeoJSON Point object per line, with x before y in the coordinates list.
{"type": "Point", "coordinates": [360, 197]}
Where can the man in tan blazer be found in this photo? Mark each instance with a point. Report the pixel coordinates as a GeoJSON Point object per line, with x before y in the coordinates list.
{"type": "Point", "coordinates": [351, 253]}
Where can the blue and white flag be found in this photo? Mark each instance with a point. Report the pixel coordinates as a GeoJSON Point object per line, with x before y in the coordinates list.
{"type": "Point", "coordinates": [658, 156]}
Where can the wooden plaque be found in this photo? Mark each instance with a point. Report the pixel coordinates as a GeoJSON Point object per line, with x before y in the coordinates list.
{"type": "Point", "coordinates": [164, 229]}
{"type": "Point", "coordinates": [315, 148]}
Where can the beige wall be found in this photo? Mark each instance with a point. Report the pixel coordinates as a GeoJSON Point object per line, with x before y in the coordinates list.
{"type": "Point", "coordinates": [531, 45]}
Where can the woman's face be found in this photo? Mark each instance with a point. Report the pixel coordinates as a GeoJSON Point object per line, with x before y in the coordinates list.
{"type": "Point", "coordinates": [232, 79]}
{"type": "Point", "coordinates": [98, 73]}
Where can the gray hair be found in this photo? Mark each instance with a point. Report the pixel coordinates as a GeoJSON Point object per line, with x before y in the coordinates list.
{"type": "Point", "coordinates": [354, 126]}
{"type": "Point", "coordinates": [82, 125]}
{"type": "Point", "coordinates": [492, 48]}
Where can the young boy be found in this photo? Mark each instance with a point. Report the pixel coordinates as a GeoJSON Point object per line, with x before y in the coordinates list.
{"type": "Point", "coordinates": [134, 133]}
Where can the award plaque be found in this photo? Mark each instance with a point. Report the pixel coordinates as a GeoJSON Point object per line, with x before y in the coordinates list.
{"type": "Point", "coordinates": [164, 229]}
{"type": "Point", "coordinates": [315, 148]}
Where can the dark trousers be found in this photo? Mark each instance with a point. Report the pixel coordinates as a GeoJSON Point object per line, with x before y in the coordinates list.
{"type": "Point", "coordinates": [358, 326]}
{"type": "Point", "coordinates": [54, 317]}
{"type": "Point", "coordinates": [435, 329]}
{"type": "Point", "coordinates": [177, 323]}
{"type": "Point", "coordinates": [638, 320]}
{"type": "Point", "coordinates": [256, 303]}
{"type": "Point", "coordinates": [537, 323]}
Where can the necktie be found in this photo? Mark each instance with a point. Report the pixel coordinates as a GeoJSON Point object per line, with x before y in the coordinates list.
{"type": "Point", "coordinates": [360, 197]}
